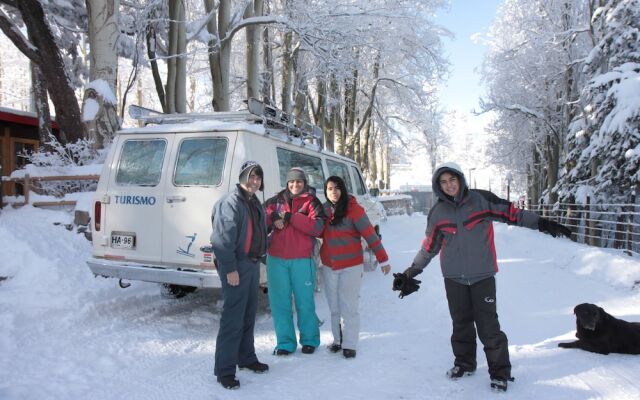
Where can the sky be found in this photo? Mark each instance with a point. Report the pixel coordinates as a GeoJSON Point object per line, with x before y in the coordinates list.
{"type": "Point", "coordinates": [67, 335]}
{"type": "Point", "coordinates": [459, 94]}
{"type": "Point", "coordinates": [465, 18]}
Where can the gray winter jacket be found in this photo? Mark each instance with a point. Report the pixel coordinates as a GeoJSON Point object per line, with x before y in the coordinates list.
{"type": "Point", "coordinates": [232, 230]}
{"type": "Point", "coordinates": [461, 230]}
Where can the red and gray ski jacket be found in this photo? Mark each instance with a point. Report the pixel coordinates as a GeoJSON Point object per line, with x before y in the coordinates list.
{"type": "Point", "coordinates": [461, 230]}
{"type": "Point", "coordinates": [341, 244]}
{"type": "Point", "coordinates": [297, 238]}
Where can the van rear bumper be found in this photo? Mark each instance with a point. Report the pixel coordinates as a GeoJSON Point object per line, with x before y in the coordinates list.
{"type": "Point", "coordinates": [153, 273]}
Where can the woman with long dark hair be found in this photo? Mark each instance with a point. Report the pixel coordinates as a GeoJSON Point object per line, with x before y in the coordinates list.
{"type": "Point", "coordinates": [342, 262]}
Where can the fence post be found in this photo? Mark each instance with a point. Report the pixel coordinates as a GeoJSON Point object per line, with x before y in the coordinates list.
{"type": "Point", "coordinates": [571, 221]}
{"type": "Point", "coordinates": [26, 188]}
{"type": "Point", "coordinates": [631, 218]}
{"type": "Point", "coordinates": [618, 235]}
{"type": "Point", "coordinates": [590, 225]}
{"type": "Point", "coordinates": [593, 234]}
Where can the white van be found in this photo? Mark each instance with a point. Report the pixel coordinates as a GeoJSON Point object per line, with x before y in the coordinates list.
{"type": "Point", "coordinates": [152, 211]}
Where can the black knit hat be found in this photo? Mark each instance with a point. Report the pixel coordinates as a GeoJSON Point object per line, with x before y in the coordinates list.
{"type": "Point", "coordinates": [245, 171]}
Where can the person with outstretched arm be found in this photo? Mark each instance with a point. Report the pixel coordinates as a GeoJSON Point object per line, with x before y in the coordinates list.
{"type": "Point", "coordinates": [460, 229]}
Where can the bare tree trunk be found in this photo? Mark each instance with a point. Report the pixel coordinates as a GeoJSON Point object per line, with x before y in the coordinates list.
{"type": "Point", "coordinates": [102, 123]}
{"type": "Point", "coordinates": [287, 72]}
{"type": "Point", "coordinates": [193, 87]}
{"type": "Point", "coordinates": [320, 114]}
{"type": "Point", "coordinates": [151, 53]}
{"type": "Point", "coordinates": [268, 84]}
{"type": "Point", "coordinates": [364, 149]}
{"type": "Point", "coordinates": [553, 164]}
{"type": "Point", "coordinates": [386, 163]}
{"type": "Point", "coordinates": [41, 105]}
{"type": "Point", "coordinates": [301, 88]}
{"type": "Point", "coordinates": [220, 54]}
{"type": "Point", "coordinates": [51, 65]}
{"type": "Point", "coordinates": [373, 158]}
{"type": "Point", "coordinates": [364, 129]}
{"type": "Point", "coordinates": [140, 99]}
{"type": "Point", "coordinates": [336, 117]}
{"type": "Point", "coordinates": [176, 88]}
{"type": "Point", "coordinates": [1, 91]}
{"type": "Point", "coordinates": [350, 110]}
{"type": "Point", "coordinates": [533, 179]}
{"type": "Point", "coordinates": [253, 50]}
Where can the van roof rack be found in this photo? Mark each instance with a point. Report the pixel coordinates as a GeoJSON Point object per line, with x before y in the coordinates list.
{"type": "Point", "coordinates": [272, 118]}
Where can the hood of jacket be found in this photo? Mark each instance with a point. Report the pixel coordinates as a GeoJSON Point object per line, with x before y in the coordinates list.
{"type": "Point", "coordinates": [452, 168]}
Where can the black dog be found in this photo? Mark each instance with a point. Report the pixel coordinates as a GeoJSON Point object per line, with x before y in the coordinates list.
{"type": "Point", "coordinates": [602, 333]}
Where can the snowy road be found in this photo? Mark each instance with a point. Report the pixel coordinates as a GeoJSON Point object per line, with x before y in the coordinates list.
{"type": "Point", "coordinates": [67, 335]}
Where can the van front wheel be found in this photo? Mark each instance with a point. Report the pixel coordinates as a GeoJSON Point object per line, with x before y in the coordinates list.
{"type": "Point", "coordinates": [176, 291]}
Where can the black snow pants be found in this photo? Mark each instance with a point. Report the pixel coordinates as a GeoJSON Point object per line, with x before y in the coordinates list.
{"type": "Point", "coordinates": [476, 304]}
{"type": "Point", "coordinates": [234, 345]}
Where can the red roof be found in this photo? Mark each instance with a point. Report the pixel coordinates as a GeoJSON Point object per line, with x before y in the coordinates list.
{"type": "Point", "coordinates": [21, 117]}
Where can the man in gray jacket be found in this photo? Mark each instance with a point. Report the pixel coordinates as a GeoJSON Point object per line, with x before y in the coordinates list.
{"type": "Point", "coordinates": [460, 228]}
{"type": "Point", "coordinates": [239, 241]}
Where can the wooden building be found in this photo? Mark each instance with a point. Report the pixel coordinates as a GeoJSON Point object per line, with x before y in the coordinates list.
{"type": "Point", "coordinates": [18, 134]}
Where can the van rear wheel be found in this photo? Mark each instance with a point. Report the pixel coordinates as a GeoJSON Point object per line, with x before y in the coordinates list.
{"type": "Point", "coordinates": [176, 291]}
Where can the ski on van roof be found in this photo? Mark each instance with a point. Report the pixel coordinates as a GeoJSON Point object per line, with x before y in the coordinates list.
{"type": "Point", "coordinates": [271, 119]}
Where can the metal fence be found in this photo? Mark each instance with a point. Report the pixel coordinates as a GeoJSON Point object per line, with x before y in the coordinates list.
{"type": "Point", "coordinates": [611, 225]}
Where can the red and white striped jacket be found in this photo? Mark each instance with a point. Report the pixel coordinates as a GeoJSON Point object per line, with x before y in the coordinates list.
{"type": "Point", "coordinates": [341, 246]}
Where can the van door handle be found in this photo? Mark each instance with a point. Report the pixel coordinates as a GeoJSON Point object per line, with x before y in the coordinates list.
{"type": "Point", "coordinates": [176, 199]}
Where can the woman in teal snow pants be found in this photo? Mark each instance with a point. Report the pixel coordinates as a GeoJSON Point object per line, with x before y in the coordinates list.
{"type": "Point", "coordinates": [296, 218]}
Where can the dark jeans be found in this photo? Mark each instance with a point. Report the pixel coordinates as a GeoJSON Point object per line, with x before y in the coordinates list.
{"type": "Point", "coordinates": [234, 345]}
{"type": "Point", "coordinates": [471, 307]}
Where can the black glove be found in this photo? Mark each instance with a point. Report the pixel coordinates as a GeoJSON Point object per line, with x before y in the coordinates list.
{"type": "Point", "coordinates": [553, 228]}
{"type": "Point", "coordinates": [287, 216]}
{"type": "Point", "coordinates": [412, 271]}
{"type": "Point", "coordinates": [405, 284]}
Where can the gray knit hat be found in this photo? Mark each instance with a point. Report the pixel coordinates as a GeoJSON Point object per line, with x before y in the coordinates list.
{"type": "Point", "coordinates": [245, 171]}
{"type": "Point", "coordinates": [295, 174]}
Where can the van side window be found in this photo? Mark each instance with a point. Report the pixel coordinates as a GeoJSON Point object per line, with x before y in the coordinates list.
{"type": "Point", "coordinates": [141, 162]}
{"type": "Point", "coordinates": [360, 186]}
{"type": "Point", "coordinates": [341, 170]}
{"type": "Point", "coordinates": [312, 167]}
{"type": "Point", "coordinates": [200, 162]}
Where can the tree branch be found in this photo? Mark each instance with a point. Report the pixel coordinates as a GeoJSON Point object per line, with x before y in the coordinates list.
{"type": "Point", "coordinates": [10, 3]}
{"type": "Point", "coordinates": [17, 38]}
{"type": "Point", "coordinates": [262, 20]}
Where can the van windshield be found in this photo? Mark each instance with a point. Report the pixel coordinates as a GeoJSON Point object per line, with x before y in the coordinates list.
{"type": "Point", "coordinates": [141, 162]}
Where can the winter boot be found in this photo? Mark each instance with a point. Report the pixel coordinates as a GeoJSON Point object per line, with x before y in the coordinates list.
{"type": "Point", "coordinates": [348, 353]}
{"type": "Point", "coordinates": [229, 382]}
{"type": "Point", "coordinates": [256, 366]}
{"type": "Point", "coordinates": [458, 372]}
{"type": "Point", "coordinates": [306, 349]}
{"type": "Point", "coordinates": [334, 348]}
{"type": "Point", "coordinates": [500, 384]}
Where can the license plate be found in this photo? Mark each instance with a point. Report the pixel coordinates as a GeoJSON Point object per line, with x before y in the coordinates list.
{"type": "Point", "coordinates": [120, 241]}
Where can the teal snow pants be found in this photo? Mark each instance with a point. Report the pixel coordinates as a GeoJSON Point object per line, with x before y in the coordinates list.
{"type": "Point", "coordinates": [298, 277]}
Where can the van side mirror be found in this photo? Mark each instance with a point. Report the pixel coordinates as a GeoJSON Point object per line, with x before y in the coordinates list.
{"type": "Point", "coordinates": [375, 192]}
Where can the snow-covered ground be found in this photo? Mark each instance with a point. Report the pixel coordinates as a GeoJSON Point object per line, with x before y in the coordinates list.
{"type": "Point", "coordinates": [67, 335]}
